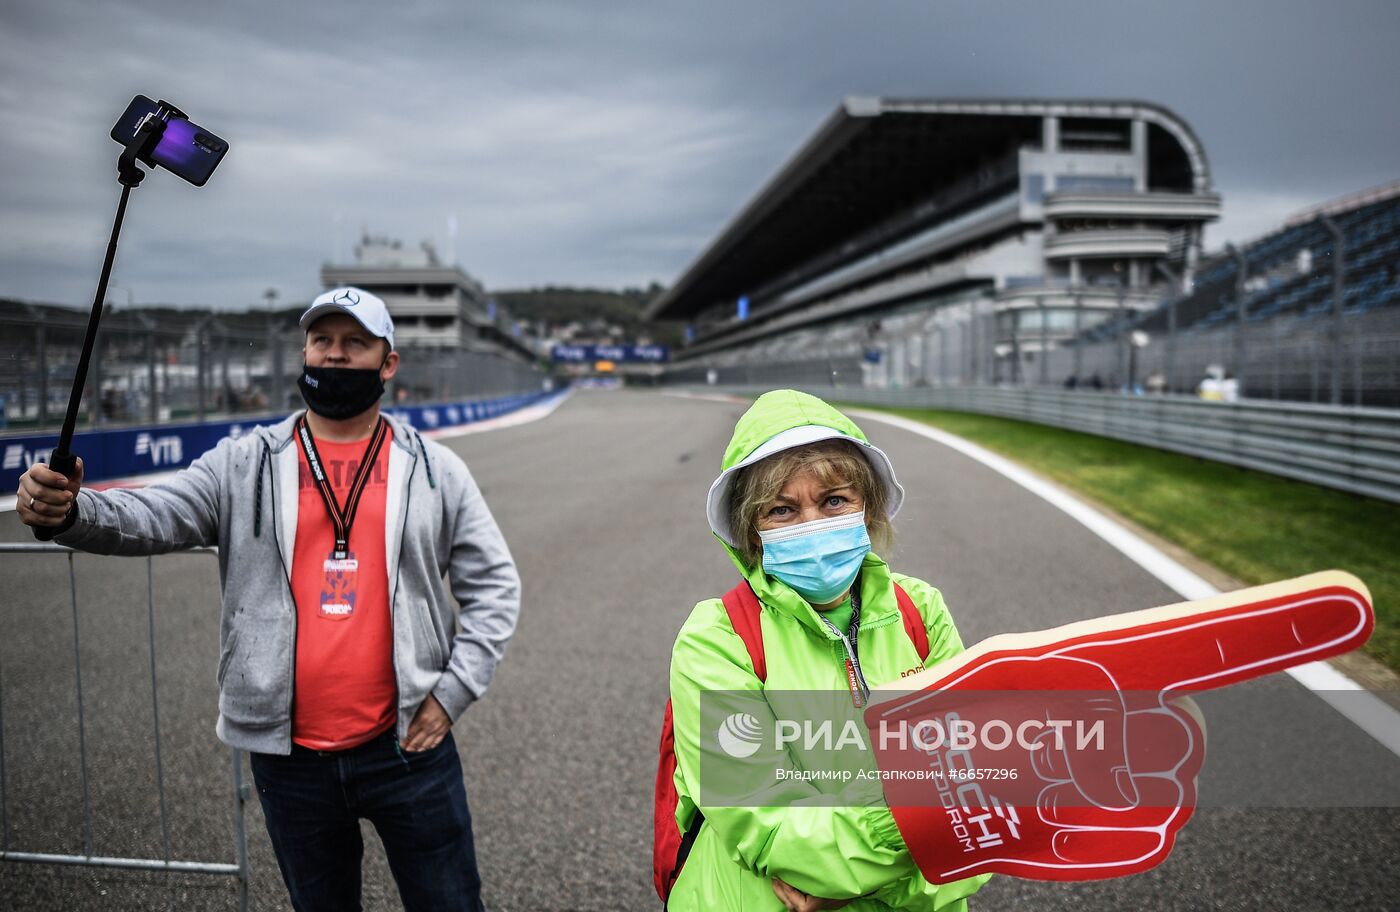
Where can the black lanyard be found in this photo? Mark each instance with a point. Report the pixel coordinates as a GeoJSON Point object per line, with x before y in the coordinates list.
{"type": "Point", "coordinates": [341, 520]}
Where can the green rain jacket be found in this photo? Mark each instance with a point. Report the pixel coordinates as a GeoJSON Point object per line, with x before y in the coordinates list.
{"type": "Point", "coordinates": [835, 852]}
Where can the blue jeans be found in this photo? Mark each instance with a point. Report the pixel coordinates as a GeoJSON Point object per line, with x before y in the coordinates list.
{"type": "Point", "coordinates": [313, 802]}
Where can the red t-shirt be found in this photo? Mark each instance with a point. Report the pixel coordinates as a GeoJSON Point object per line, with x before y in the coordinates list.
{"type": "Point", "coordinates": [345, 692]}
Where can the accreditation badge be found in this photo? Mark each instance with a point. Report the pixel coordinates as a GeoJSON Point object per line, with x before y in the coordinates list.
{"type": "Point", "coordinates": [341, 584]}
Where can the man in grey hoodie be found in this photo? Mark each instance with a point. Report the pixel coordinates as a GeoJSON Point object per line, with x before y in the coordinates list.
{"type": "Point", "coordinates": [342, 663]}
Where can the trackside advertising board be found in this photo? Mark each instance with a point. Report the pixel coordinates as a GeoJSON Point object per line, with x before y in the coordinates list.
{"type": "Point", "coordinates": [141, 450]}
{"type": "Point", "coordinates": [620, 354]}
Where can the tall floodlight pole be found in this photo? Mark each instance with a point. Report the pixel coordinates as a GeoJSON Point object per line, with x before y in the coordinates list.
{"type": "Point", "coordinates": [1176, 288]}
{"type": "Point", "coordinates": [1241, 311]}
{"type": "Point", "coordinates": [1078, 339]}
{"type": "Point", "coordinates": [975, 321]}
{"type": "Point", "coordinates": [1338, 292]}
{"type": "Point", "coordinates": [274, 352]}
{"type": "Point", "coordinates": [942, 355]}
{"type": "Point", "coordinates": [153, 398]}
{"type": "Point", "coordinates": [1017, 375]}
{"type": "Point", "coordinates": [201, 367]}
{"type": "Point", "coordinates": [41, 357]}
{"type": "Point", "coordinates": [1044, 342]}
{"type": "Point", "coordinates": [1122, 334]}
{"type": "Point", "coordinates": [964, 352]}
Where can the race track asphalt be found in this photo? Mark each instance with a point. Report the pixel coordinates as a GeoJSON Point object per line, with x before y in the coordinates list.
{"type": "Point", "coordinates": [603, 505]}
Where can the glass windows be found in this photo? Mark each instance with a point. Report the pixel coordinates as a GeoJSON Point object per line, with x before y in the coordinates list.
{"type": "Point", "coordinates": [1034, 185]}
{"type": "Point", "coordinates": [1056, 319]}
{"type": "Point", "coordinates": [1095, 134]}
{"type": "Point", "coordinates": [1070, 182]}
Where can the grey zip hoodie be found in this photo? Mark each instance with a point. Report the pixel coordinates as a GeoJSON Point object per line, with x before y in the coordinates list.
{"type": "Point", "coordinates": [241, 497]}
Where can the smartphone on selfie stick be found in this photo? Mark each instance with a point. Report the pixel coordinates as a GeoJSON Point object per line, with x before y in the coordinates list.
{"type": "Point", "coordinates": [154, 133]}
{"type": "Point", "coordinates": [183, 148]}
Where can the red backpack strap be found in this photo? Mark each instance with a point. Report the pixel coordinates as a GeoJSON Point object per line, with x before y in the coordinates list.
{"type": "Point", "coordinates": [670, 846]}
{"type": "Point", "coordinates": [913, 621]}
{"type": "Point", "coordinates": [744, 609]}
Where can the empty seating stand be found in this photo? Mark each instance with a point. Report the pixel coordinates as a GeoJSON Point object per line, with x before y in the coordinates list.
{"type": "Point", "coordinates": [1371, 235]}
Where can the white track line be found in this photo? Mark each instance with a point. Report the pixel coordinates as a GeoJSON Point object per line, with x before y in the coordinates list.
{"type": "Point", "coordinates": [708, 397]}
{"type": "Point", "coordinates": [1370, 713]}
{"type": "Point", "coordinates": [520, 416]}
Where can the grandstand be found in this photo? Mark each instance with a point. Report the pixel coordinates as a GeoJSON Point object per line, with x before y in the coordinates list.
{"type": "Point", "coordinates": [932, 242]}
{"type": "Point", "coordinates": [1268, 311]}
{"type": "Point", "coordinates": [915, 240]}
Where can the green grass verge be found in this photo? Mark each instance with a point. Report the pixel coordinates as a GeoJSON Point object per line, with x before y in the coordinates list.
{"type": "Point", "coordinates": [1256, 527]}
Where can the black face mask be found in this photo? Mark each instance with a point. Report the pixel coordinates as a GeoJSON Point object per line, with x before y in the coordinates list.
{"type": "Point", "coordinates": [338, 393]}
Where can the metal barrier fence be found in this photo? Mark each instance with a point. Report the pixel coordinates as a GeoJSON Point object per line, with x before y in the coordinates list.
{"type": "Point", "coordinates": [1287, 358]}
{"type": "Point", "coordinates": [1348, 448]}
{"type": "Point", "coordinates": [241, 792]}
{"type": "Point", "coordinates": [160, 366]}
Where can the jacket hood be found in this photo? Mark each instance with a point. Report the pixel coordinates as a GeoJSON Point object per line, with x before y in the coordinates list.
{"type": "Point", "coordinates": [781, 420]}
{"type": "Point", "coordinates": [777, 421]}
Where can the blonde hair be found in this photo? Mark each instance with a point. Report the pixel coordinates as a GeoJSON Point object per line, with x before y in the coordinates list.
{"type": "Point", "coordinates": [833, 462]}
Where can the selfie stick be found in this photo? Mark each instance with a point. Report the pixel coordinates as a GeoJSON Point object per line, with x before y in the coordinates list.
{"type": "Point", "coordinates": [139, 149]}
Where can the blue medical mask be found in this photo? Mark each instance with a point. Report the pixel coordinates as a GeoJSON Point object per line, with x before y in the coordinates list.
{"type": "Point", "coordinates": [818, 559]}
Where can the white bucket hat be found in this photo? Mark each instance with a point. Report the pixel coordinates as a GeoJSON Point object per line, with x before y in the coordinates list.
{"type": "Point", "coordinates": [717, 507]}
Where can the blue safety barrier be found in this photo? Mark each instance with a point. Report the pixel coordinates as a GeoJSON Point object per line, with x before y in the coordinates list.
{"type": "Point", "coordinates": [142, 450]}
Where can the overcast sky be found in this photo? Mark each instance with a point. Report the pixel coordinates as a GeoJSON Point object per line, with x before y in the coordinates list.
{"type": "Point", "coordinates": [603, 143]}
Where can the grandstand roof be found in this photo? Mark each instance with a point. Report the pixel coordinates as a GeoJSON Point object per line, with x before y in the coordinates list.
{"type": "Point", "coordinates": [1345, 203]}
{"type": "Point", "coordinates": [874, 160]}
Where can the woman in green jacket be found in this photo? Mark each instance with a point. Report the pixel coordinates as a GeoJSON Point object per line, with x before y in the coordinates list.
{"type": "Point", "coordinates": [801, 497]}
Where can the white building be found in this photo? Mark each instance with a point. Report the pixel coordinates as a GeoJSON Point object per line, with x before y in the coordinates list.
{"type": "Point", "coordinates": [433, 304]}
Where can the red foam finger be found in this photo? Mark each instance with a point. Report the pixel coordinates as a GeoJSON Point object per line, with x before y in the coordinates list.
{"type": "Point", "coordinates": [1165, 798]}
{"type": "Point", "coordinates": [963, 842]}
{"type": "Point", "coordinates": [1196, 645]}
{"type": "Point", "coordinates": [1048, 762]}
{"type": "Point", "coordinates": [1086, 816]}
{"type": "Point", "coordinates": [1226, 646]}
{"type": "Point", "coordinates": [1062, 805]}
{"type": "Point", "coordinates": [1164, 740]}
{"type": "Point", "coordinates": [1113, 852]}
{"type": "Point", "coordinates": [1098, 767]}
{"type": "Point", "coordinates": [1160, 798]}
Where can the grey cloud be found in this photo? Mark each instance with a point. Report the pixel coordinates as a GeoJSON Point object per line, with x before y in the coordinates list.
{"type": "Point", "coordinates": [602, 143]}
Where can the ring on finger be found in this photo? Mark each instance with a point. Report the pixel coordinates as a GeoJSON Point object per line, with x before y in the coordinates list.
{"type": "Point", "coordinates": [31, 501]}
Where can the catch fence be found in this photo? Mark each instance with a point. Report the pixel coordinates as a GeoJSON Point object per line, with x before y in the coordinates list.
{"type": "Point", "coordinates": [153, 366]}
{"type": "Point", "coordinates": [1345, 447]}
